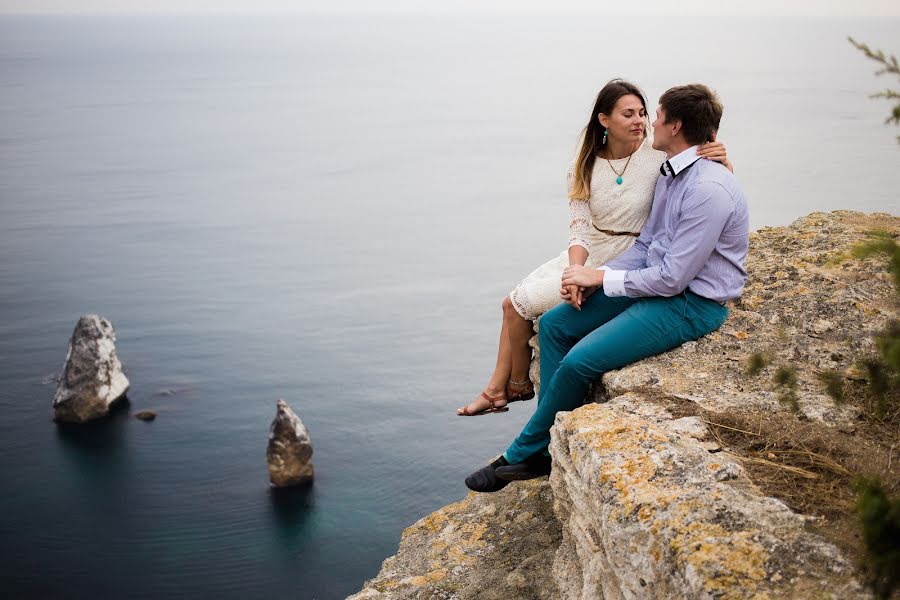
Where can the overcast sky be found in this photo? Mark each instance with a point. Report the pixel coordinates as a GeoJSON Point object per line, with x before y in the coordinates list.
{"type": "Point", "coordinates": [648, 7]}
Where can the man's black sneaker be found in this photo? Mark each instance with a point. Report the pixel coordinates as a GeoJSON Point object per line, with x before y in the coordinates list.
{"type": "Point", "coordinates": [485, 479]}
{"type": "Point", "coordinates": [534, 466]}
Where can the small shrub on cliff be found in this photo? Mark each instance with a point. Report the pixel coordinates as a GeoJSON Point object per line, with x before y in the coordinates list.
{"type": "Point", "coordinates": [889, 65]}
{"type": "Point", "coordinates": [834, 385]}
{"type": "Point", "coordinates": [882, 242]}
{"type": "Point", "coordinates": [786, 379]}
{"type": "Point", "coordinates": [758, 361]}
{"type": "Point", "coordinates": [883, 372]}
{"type": "Point", "coordinates": [879, 516]}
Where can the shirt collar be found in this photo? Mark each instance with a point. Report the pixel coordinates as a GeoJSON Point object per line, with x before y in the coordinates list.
{"type": "Point", "coordinates": [680, 162]}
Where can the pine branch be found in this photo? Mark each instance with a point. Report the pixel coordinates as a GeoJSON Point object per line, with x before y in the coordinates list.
{"type": "Point", "coordinates": [890, 66]}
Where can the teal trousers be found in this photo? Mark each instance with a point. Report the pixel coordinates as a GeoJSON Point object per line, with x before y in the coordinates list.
{"type": "Point", "coordinates": [578, 347]}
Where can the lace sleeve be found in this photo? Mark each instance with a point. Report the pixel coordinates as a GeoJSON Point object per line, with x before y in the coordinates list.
{"type": "Point", "coordinates": [580, 213]}
{"type": "Point", "coordinates": [580, 225]}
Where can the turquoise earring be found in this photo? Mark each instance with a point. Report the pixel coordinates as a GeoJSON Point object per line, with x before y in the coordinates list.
{"type": "Point", "coordinates": [604, 138]}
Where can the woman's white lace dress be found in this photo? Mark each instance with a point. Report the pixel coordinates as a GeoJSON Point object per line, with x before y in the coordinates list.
{"type": "Point", "coordinates": [612, 207]}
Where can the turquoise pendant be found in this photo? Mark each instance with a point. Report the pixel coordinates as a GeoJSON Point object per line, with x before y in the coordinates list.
{"type": "Point", "coordinates": [619, 180]}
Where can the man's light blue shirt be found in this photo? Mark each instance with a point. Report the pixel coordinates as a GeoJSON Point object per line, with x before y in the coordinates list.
{"type": "Point", "coordinates": [695, 238]}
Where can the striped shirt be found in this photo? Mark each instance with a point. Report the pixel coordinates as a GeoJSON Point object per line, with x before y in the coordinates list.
{"type": "Point", "coordinates": [696, 237]}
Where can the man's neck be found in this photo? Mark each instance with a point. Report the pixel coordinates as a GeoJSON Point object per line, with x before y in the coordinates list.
{"type": "Point", "coordinates": [677, 147]}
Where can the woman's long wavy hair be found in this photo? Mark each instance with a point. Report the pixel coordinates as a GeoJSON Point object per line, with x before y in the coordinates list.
{"type": "Point", "coordinates": [592, 141]}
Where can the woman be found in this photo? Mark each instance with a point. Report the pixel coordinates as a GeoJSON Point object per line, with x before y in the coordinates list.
{"type": "Point", "coordinates": [611, 184]}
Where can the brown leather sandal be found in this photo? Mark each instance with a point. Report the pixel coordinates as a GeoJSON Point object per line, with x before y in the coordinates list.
{"type": "Point", "coordinates": [517, 391]}
{"type": "Point", "coordinates": [491, 409]}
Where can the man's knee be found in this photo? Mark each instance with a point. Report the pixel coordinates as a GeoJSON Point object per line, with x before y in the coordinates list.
{"type": "Point", "coordinates": [574, 367]}
{"type": "Point", "coordinates": [551, 323]}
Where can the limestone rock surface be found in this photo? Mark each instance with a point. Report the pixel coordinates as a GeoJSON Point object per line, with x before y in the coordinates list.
{"type": "Point", "coordinates": [92, 378]}
{"type": "Point", "coordinates": [648, 512]}
{"type": "Point", "coordinates": [646, 505]}
{"type": "Point", "coordinates": [806, 305]}
{"type": "Point", "coordinates": [487, 547]}
{"type": "Point", "coordinates": [289, 453]}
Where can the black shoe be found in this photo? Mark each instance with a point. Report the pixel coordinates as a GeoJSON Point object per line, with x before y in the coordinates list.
{"type": "Point", "coordinates": [534, 466]}
{"type": "Point", "coordinates": [484, 479]}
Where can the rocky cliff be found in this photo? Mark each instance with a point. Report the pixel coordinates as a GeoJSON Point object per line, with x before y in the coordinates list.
{"type": "Point", "coordinates": [662, 487]}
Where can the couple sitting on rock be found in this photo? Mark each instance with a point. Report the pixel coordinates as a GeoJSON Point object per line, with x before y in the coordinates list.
{"type": "Point", "coordinates": [668, 287]}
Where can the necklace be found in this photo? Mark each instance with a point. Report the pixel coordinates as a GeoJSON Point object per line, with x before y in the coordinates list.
{"type": "Point", "coordinates": [619, 178]}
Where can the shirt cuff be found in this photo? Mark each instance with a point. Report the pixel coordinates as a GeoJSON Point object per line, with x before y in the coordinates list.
{"type": "Point", "coordinates": [614, 282]}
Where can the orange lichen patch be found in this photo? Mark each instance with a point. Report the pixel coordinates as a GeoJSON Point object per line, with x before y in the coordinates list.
{"type": "Point", "coordinates": [800, 290]}
{"type": "Point", "coordinates": [420, 580]}
{"type": "Point", "coordinates": [415, 581]}
{"type": "Point", "coordinates": [474, 532]}
{"type": "Point", "coordinates": [645, 513]}
{"type": "Point", "coordinates": [731, 562]}
{"type": "Point", "coordinates": [388, 584]}
{"type": "Point", "coordinates": [458, 556]}
{"type": "Point", "coordinates": [438, 546]}
{"type": "Point", "coordinates": [438, 519]}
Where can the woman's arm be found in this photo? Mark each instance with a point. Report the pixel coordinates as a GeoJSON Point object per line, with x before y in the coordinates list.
{"type": "Point", "coordinates": [579, 240]}
{"type": "Point", "coordinates": [579, 231]}
{"type": "Point", "coordinates": [716, 151]}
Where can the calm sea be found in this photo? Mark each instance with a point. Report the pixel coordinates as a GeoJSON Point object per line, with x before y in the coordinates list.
{"type": "Point", "coordinates": [329, 211]}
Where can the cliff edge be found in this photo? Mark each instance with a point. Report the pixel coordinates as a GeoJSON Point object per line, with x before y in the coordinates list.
{"type": "Point", "coordinates": [689, 477]}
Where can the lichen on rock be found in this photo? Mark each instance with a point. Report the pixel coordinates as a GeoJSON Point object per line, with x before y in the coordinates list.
{"type": "Point", "coordinates": [486, 546]}
{"type": "Point", "coordinates": [647, 505]}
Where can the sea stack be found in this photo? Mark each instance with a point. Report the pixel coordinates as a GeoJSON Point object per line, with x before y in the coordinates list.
{"type": "Point", "coordinates": [290, 452]}
{"type": "Point", "coordinates": [93, 379]}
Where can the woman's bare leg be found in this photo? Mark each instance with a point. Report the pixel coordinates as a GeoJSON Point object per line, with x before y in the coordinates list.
{"type": "Point", "coordinates": [519, 331]}
{"type": "Point", "coordinates": [512, 351]}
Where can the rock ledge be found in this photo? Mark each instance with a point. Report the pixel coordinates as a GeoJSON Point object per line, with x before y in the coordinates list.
{"type": "Point", "coordinates": [645, 505]}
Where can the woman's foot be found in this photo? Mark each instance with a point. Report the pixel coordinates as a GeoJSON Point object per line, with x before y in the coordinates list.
{"type": "Point", "coordinates": [484, 404]}
{"type": "Point", "coordinates": [519, 390]}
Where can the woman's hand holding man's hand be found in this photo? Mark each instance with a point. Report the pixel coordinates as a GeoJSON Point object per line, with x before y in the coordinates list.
{"type": "Point", "coordinates": [572, 295]}
{"type": "Point", "coordinates": [578, 283]}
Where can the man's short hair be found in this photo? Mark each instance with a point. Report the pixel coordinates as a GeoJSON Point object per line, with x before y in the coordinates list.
{"type": "Point", "coordinates": [697, 107]}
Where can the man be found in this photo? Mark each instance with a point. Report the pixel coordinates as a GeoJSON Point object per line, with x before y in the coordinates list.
{"type": "Point", "coordinates": [670, 287]}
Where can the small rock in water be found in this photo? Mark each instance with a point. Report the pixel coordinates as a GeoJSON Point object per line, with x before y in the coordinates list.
{"type": "Point", "coordinates": [289, 453]}
{"type": "Point", "coordinates": [92, 379]}
{"type": "Point", "coordinates": [146, 415]}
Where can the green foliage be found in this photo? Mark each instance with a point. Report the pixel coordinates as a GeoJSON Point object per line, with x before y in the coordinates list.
{"type": "Point", "coordinates": [786, 376]}
{"type": "Point", "coordinates": [889, 345]}
{"type": "Point", "coordinates": [879, 516]}
{"type": "Point", "coordinates": [882, 242]}
{"type": "Point", "coordinates": [890, 66]}
{"type": "Point", "coordinates": [834, 385]}
{"type": "Point", "coordinates": [786, 379]}
{"type": "Point", "coordinates": [883, 373]}
{"type": "Point", "coordinates": [758, 361]}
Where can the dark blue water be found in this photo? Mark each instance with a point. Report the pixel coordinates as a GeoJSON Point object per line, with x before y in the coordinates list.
{"type": "Point", "coordinates": [327, 211]}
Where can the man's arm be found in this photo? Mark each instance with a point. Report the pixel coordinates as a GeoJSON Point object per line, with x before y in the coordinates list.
{"type": "Point", "coordinates": [704, 213]}
{"type": "Point", "coordinates": [633, 258]}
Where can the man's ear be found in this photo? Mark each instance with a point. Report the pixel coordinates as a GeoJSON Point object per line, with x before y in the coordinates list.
{"type": "Point", "coordinates": [676, 127]}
